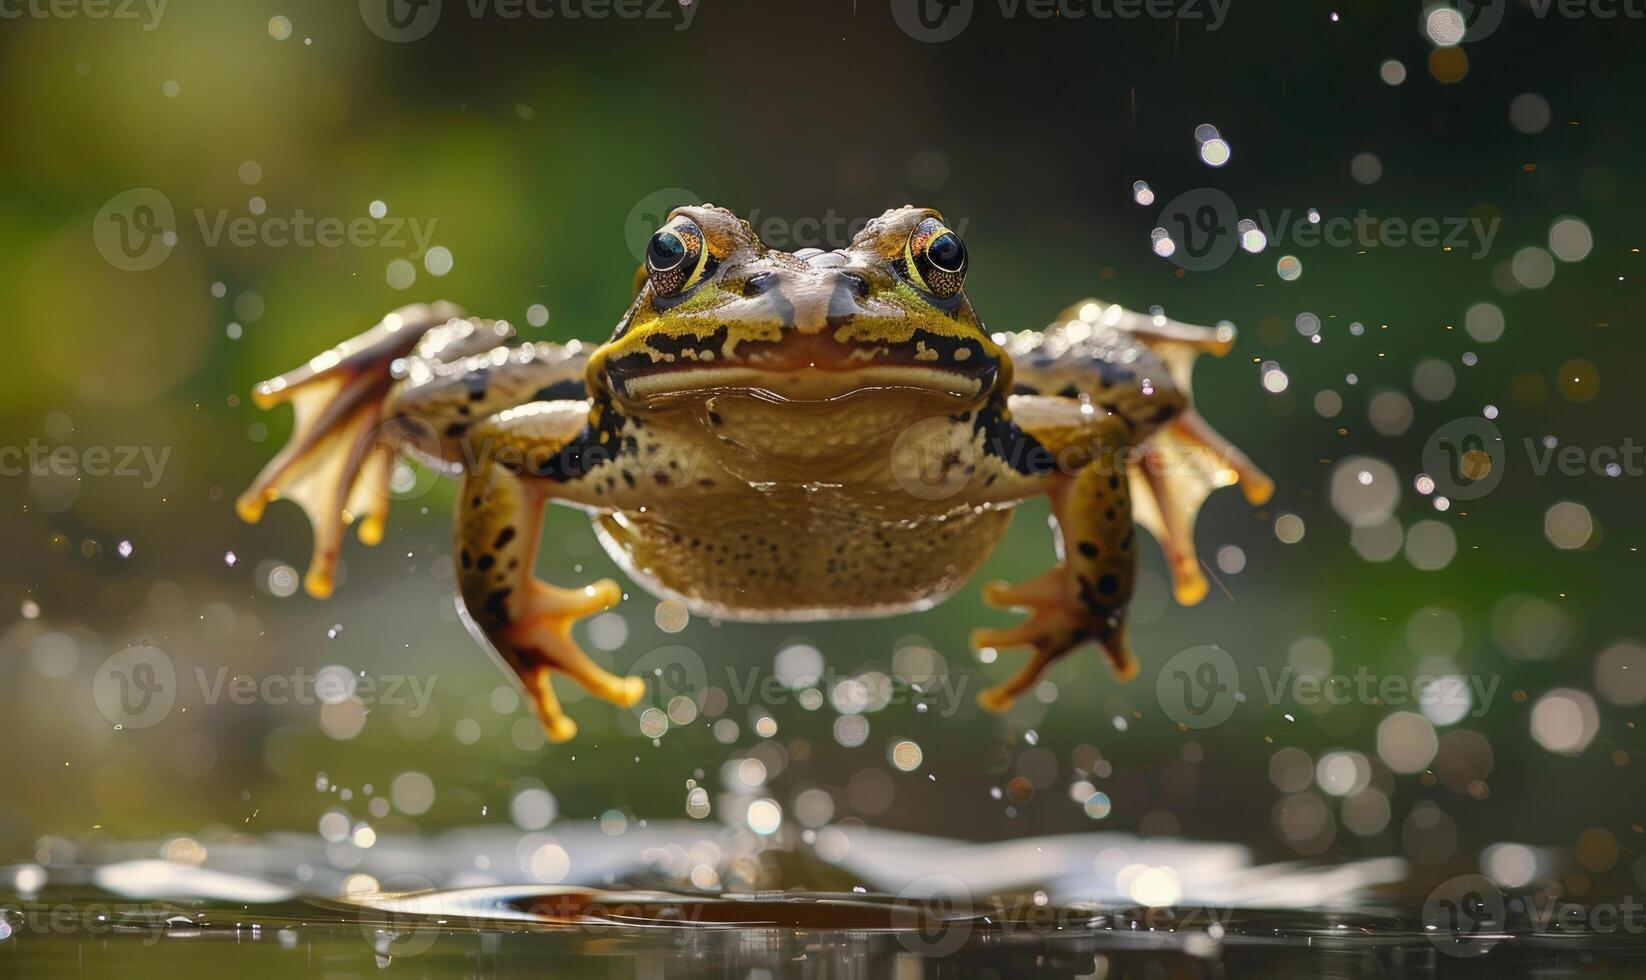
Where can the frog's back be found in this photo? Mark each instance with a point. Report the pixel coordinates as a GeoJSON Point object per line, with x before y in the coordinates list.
{"type": "Point", "coordinates": [801, 553]}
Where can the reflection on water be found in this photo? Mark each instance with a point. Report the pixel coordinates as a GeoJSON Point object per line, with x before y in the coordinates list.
{"type": "Point", "coordinates": [889, 905]}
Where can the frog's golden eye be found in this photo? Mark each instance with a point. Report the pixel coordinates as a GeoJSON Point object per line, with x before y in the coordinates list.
{"type": "Point", "coordinates": [678, 258]}
{"type": "Point", "coordinates": [934, 259]}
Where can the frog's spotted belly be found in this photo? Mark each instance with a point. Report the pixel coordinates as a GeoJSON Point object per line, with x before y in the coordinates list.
{"type": "Point", "coordinates": [771, 561]}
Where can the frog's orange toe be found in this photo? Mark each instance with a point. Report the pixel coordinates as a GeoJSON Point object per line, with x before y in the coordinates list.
{"type": "Point", "coordinates": [1046, 589]}
{"type": "Point", "coordinates": [1188, 584]}
{"type": "Point", "coordinates": [319, 583]}
{"type": "Point", "coordinates": [560, 729]}
{"type": "Point", "coordinates": [632, 690]}
{"type": "Point", "coordinates": [995, 701]}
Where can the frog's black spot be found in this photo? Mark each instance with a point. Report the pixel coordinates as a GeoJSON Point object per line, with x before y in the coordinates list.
{"type": "Point", "coordinates": [503, 538]}
{"type": "Point", "coordinates": [486, 562]}
{"type": "Point", "coordinates": [628, 478]}
{"type": "Point", "coordinates": [566, 389]}
{"type": "Point", "coordinates": [1019, 388]}
{"type": "Point", "coordinates": [476, 382]}
{"type": "Point", "coordinates": [1069, 391]}
{"type": "Point", "coordinates": [456, 429]}
{"type": "Point", "coordinates": [466, 558]}
{"type": "Point", "coordinates": [1088, 549]}
{"type": "Point", "coordinates": [664, 344]}
{"type": "Point", "coordinates": [714, 418]}
{"type": "Point", "coordinates": [1108, 584]}
{"type": "Point", "coordinates": [497, 604]}
{"type": "Point", "coordinates": [1108, 515]}
{"type": "Point", "coordinates": [1114, 482]}
{"type": "Point", "coordinates": [474, 501]}
{"type": "Point", "coordinates": [1114, 375]}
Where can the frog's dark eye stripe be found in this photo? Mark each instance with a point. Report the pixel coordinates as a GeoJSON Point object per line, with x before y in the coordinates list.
{"type": "Point", "coordinates": [934, 259]}
{"type": "Point", "coordinates": [677, 257]}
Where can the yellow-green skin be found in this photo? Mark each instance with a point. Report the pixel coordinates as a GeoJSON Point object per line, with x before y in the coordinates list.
{"type": "Point", "coordinates": [772, 435]}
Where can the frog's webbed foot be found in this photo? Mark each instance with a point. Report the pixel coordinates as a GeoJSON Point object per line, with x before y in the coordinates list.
{"type": "Point", "coordinates": [526, 621]}
{"type": "Point", "coordinates": [1055, 624]}
{"type": "Point", "coordinates": [539, 644]}
{"type": "Point", "coordinates": [337, 463]}
{"type": "Point", "coordinates": [1178, 469]}
{"type": "Point", "coordinates": [1183, 459]}
{"type": "Point", "coordinates": [1084, 596]}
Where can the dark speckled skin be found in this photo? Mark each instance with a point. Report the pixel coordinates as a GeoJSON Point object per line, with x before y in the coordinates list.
{"type": "Point", "coordinates": [772, 436]}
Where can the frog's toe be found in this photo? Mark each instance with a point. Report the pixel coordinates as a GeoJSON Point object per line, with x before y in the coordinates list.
{"type": "Point", "coordinates": [562, 729]}
{"type": "Point", "coordinates": [556, 726]}
{"type": "Point", "coordinates": [574, 604]}
{"type": "Point", "coordinates": [1051, 632]}
{"type": "Point", "coordinates": [1045, 589]}
{"type": "Point", "coordinates": [543, 636]}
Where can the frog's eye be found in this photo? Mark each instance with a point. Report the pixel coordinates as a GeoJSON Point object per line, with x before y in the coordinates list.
{"type": "Point", "coordinates": [934, 259]}
{"type": "Point", "coordinates": [677, 257]}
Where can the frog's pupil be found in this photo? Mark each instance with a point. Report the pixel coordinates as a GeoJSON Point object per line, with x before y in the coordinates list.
{"type": "Point", "coordinates": [666, 250]}
{"type": "Point", "coordinates": [947, 253]}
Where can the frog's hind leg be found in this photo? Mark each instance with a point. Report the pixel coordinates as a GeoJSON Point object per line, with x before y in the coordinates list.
{"type": "Point", "coordinates": [337, 462]}
{"type": "Point", "coordinates": [1084, 597]}
{"type": "Point", "coordinates": [526, 621]}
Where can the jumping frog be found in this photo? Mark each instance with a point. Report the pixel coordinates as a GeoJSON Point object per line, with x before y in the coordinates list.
{"type": "Point", "coordinates": [771, 435]}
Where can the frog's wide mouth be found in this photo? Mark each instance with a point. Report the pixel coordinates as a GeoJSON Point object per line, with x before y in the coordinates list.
{"type": "Point", "coordinates": [802, 369]}
{"type": "Point", "coordinates": [802, 384]}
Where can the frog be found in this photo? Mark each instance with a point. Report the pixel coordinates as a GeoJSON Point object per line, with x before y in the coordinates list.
{"type": "Point", "coordinates": [773, 436]}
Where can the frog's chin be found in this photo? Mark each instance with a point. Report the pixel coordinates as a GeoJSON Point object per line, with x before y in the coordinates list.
{"type": "Point", "coordinates": [807, 384]}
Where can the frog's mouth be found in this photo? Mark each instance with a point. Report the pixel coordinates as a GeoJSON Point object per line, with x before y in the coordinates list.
{"type": "Point", "coordinates": [808, 369]}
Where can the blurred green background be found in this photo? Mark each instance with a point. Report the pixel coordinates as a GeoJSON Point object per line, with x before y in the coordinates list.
{"type": "Point", "coordinates": [535, 147]}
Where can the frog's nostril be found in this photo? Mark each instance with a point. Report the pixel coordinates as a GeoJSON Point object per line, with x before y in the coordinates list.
{"type": "Point", "coordinates": [856, 283]}
{"type": "Point", "coordinates": [759, 283]}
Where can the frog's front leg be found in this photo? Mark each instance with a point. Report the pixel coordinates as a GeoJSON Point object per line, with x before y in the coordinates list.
{"type": "Point", "coordinates": [415, 382]}
{"type": "Point", "coordinates": [1139, 368]}
{"type": "Point", "coordinates": [1084, 596]}
{"type": "Point", "coordinates": [521, 459]}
